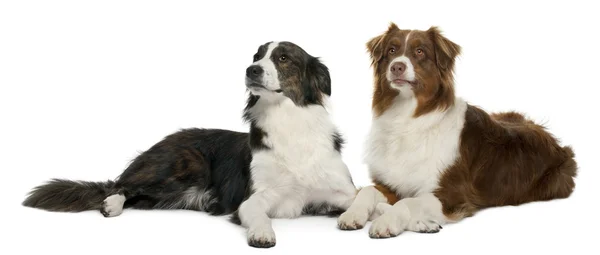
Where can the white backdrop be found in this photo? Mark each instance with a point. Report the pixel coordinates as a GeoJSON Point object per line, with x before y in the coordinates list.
{"type": "Point", "coordinates": [86, 85]}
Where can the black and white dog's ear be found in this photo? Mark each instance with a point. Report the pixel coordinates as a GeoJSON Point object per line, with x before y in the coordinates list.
{"type": "Point", "coordinates": [316, 79]}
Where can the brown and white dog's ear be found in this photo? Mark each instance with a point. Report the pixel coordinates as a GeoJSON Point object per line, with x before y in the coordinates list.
{"type": "Point", "coordinates": [375, 45]}
{"type": "Point", "coordinates": [446, 51]}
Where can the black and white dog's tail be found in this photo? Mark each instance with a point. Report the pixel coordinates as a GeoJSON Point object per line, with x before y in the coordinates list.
{"type": "Point", "coordinates": [68, 196]}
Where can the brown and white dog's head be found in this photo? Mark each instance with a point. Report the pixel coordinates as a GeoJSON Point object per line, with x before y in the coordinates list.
{"type": "Point", "coordinates": [413, 63]}
{"type": "Point", "coordinates": [284, 70]}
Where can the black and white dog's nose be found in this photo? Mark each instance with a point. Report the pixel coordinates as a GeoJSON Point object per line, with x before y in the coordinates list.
{"type": "Point", "coordinates": [254, 71]}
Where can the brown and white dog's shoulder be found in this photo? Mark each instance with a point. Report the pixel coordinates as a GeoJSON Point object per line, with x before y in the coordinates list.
{"type": "Point", "coordinates": [435, 157]}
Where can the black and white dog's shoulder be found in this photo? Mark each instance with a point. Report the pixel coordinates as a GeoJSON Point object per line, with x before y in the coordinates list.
{"type": "Point", "coordinates": [288, 164]}
{"type": "Point", "coordinates": [296, 163]}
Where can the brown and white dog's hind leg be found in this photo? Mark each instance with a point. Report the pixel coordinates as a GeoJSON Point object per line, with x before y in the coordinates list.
{"type": "Point", "coordinates": [419, 214]}
{"type": "Point", "coordinates": [361, 209]}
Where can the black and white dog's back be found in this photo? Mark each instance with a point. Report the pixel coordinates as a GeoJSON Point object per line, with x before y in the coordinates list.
{"type": "Point", "coordinates": [195, 169]}
{"type": "Point", "coordinates": [296, 160]}
{"type": "Point", "coordinates": [288, 164]}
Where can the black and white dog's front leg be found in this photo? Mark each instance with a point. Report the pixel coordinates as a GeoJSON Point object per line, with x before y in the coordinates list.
{"type": "Point", "coordinates": [254, 216]}
{"type": "Point", "coordinates": [419, 214]}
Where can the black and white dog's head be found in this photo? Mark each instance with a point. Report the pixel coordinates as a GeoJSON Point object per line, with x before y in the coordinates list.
{"type": "Point", "coordinates": [284, 70]}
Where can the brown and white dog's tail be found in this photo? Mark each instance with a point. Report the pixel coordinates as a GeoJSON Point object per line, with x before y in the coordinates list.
{"type": "Point", "coordinates": [558, 182]}
{"type": "Point", "coordinates": [568, 169]}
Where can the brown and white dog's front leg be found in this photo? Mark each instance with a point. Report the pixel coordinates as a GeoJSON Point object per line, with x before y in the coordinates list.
{"type": "Point", "coordinates": [361, 209]}
{"type": "Point", "coordinates": [419, 214]}
{"type": "Point", "coordinates": [253, 215]}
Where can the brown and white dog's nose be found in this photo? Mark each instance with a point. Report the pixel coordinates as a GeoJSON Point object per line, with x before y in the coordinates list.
{"type": "Point", "coordinates": [398, 68]}
{"type": "Point", "coordinates": [254, 71]}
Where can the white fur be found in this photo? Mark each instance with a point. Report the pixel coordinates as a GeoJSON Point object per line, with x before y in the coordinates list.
{"type": "Point", "coordinates": [270, 77]}
{"type": "Point", "coordinates": [380, 209]}
{"type": "Point", "coordinates": [409, 155]}
{"type": "Point", "coordinates": [192, 198]}
{"type": "Point", "coordinates": [363, 206]}
{"type": "Point", "coordinates": [406, 42]}
{"type": "Point", "coordinates": [113, 205]}
{"type": "Point", "coordinates": [302, 167]}
{"type": "Point", "coordinates": [409, 73]}
{"type": "Point", "coordinates": [419, 214]}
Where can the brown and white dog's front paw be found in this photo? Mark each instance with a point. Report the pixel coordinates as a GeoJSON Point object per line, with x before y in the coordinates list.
{"type": "Point", "coordinates": [261, 237]}
{"type": "Point", "coordinates": [386, 226]}
{"type": "Point", "coordinates": [352, 220]}
{"type": "Point", "coordinates": [423, 226]}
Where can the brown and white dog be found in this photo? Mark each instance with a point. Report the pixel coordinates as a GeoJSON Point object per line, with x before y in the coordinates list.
{"type": "Point", "coordinates": [436, 159]}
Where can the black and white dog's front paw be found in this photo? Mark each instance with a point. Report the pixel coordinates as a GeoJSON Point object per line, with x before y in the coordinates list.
{"type": "Point", "coordinates": [261, 237]}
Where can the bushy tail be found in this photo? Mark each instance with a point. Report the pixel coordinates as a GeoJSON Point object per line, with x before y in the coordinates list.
{"type": "Point", "coordinates": [569, 167]}
{"type": "Point", "coordinates": [68, 196]}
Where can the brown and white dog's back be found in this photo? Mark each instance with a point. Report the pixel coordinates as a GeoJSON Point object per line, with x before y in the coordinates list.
{"type": "Point", "coordinates": [435, 157]}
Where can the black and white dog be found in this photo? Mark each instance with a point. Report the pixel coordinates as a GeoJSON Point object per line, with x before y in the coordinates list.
{"type": "Point", "coordinates": [289, 163]}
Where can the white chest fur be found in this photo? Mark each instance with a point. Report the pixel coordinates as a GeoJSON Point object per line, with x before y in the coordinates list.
{"type": "Point", "coordinates": [302, 152]}
{"type": "Point", "coordinates": [409, 154]}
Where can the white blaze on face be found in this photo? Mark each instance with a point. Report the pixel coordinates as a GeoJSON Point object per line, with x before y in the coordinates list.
{"type": "Point", "coordinates": [270, 77]}
{"type": "Point", "coordinates": [409, 73]}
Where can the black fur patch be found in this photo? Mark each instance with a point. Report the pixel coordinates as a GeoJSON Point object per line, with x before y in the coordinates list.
{"type": "Point", "coordinates": [338, 141]}
{"type": "Point", "coordinates": [250, 102]}
{"type": "Point", "coordinates": [302, 77]}
{"type": "Point", "coordinates": [256, 133]}
{"type": "Point", "coordinates": [209, 163]}
{"type": "Point", "coordinates": [262, 50]}
{"type": "Point", "coordinates": [322, 209]}
{"type": "Point", "coordinates": [235, 218]}
{"type": "Point", "coordinates": [256, 137]}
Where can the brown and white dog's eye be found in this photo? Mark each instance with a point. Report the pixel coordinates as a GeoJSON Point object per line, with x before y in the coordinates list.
{"type": "Point", "coordinates": [283, 58]}
{"type": "Point", "coordinates": [419, 52]}
{"type": "Point", "coordinates": [392, 51]}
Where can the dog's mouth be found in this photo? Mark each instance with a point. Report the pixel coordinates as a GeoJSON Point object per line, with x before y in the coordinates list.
{"type": "Point", "coordinates": [255, 85]}
{"type": "Point", "coordinates": [398, 81]}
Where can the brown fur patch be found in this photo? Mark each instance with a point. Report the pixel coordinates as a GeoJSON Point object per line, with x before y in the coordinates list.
{"type": "Point", "coordinates": [505, 159]}
{"type": "Point", "coordinates": [390, 195]}
{"type": "Point", "coordinates": [434, 69]}
{"type": "Point", "coordinates": [383, 94]}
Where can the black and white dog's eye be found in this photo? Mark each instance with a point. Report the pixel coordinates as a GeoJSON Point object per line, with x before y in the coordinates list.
{"type": "Point", "coordinates": [282, 58]}
{"type": "Point", "coordinates": [255, 58]}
